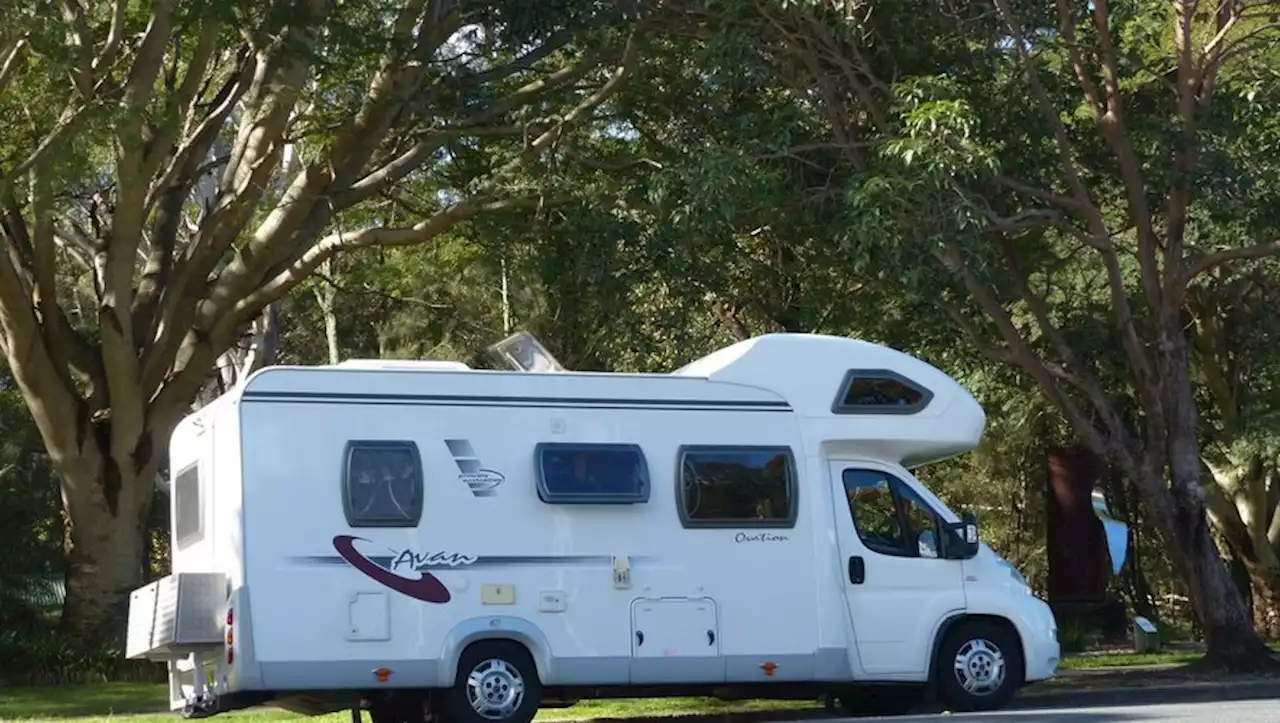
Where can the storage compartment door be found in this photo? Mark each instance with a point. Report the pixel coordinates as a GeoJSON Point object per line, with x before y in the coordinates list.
{"type": "Point", "coordinates": [368, 616]}
{"type": "Point", "coordinates": [675, 640]}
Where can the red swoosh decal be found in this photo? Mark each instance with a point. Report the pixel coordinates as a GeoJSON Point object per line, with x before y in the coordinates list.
{"type": "Point", "coordinates": [426, 588]}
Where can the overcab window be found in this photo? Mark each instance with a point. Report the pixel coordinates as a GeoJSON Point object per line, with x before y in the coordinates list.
{"type": "Point", "coordinates": [737, 487]}
{"type": "Point", "coordinates": [382, 484]}
{"type": "Point", "coordinates": [878, 391]}
{"type": "Point", "coordinates": [599, 474]}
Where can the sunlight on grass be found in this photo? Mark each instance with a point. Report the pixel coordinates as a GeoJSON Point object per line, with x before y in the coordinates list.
{"type": "Point", "coordinates": [1120, 660]}
{"type": "Point", "coordinates": [139, 702]}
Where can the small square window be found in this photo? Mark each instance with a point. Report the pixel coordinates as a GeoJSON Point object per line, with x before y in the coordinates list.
{"type": "Point", "coordinates": [601, 474]}
{"type": "Point", "coordinates": [188, 527]}
{"type": "Point", "coordinates": [382, 484]}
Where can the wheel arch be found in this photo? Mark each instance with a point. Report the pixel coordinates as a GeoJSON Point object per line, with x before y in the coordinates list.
{"type": "Point", "coordinates": [954, 621]}
{"type": "Point", "coordinates": [496, 628]}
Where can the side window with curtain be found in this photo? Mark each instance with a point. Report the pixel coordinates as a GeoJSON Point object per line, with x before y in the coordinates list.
{"type": "Point", "coordinates": [382, 484]}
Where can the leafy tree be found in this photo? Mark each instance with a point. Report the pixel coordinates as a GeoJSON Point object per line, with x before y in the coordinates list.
{"type": "Point", "coordinates": [1051, 159]}
{"type": "Point", "coordinates": [199, 160]}
{"type": "Point", "coordinates": [1233, 333]}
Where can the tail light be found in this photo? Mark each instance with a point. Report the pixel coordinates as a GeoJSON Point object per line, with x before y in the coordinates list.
{"type": "Point", "coordinates": [230, 639]}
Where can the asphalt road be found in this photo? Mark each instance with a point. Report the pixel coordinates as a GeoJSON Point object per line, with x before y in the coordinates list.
{"type": "Point", "coordinates": [1244, 711]}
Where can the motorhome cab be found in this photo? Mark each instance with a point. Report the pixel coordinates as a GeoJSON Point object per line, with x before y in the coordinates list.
{"type": "Point", "coordinates": [413, 538]}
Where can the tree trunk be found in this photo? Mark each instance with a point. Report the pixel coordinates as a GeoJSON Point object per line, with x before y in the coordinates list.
{"type": "Point", "coordinates": [327, 300]}
{"type": "Point", "coordinates": [1230, 638]}
{"type": "Point", "coordinates": [1266, 604]}
{"type": "Point", "coordinates": [106, 545]}
{"type": "Point", "coordinates": [1239, 574]}
{"type": "Point", "coordinates": [1228, 630]}
{"type": "Point", "coordinates": [331, 332]}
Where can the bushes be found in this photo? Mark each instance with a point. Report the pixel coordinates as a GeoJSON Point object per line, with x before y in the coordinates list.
{"type": "Point", "coordinates": [34, 652]}
{"type": "Point", "coordinates": [45, 656]}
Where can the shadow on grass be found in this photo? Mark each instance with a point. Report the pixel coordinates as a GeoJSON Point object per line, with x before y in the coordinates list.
{"type": "Point", "coordinates": [81, 701]}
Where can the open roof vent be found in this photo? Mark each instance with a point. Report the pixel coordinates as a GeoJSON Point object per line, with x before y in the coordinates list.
{"type": "Point", "coordinates": [523, 353]}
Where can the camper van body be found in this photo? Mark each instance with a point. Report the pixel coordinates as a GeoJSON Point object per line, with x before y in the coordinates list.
{"type": "Point", "coordinates": [287, 587]}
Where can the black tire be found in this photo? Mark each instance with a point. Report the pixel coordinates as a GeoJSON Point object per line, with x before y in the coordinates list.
{"type": "Point", "coordinates": [499, 664]}
{"type": "Point", "coordinates": [992, 664]}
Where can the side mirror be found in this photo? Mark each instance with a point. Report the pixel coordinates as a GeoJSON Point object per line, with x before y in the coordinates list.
{"type": "Point", "coordinates": [961, 538]}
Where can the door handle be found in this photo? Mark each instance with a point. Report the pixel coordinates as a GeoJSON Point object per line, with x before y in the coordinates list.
{"type": "Point", "coordinates": [711, 637]}
{"type": "Point", "coordinates": [857, 570]}
{"type": "Point", "coordinates": [639, 638]}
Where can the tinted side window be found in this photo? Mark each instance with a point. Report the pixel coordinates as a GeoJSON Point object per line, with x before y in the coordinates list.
{"type": "Point", "coordinates": [888, 516]}
{"type": "Point", "coordinates": [382, 484]}
{"type": "Point", "coordinates": [187, 525]}
{"type": "Point", "coordinates": [592, 474]}
{"type": "Point", "coordinates": [875, 513]}
{"type": "Point", "coordinates": [737, 487]}
{"type": "Point", "coordinates": [880, 392]}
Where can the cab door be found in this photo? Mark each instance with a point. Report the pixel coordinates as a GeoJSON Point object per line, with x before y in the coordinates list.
{"type": "Point", "coordinates": [897, 588]}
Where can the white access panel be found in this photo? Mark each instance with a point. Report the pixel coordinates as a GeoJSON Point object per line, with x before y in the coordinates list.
{"type": "Point", "coordinates": [674, 627]}
{"type": "Point", "coordinates": [368, 616]}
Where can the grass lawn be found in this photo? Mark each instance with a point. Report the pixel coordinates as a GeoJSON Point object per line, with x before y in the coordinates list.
{"type": "Point", "coordinates": [146, 702]}
{"type": "Point", "coordinates": [1120, 660]}
{"type": "Point", "coordinates": [1125, 659]}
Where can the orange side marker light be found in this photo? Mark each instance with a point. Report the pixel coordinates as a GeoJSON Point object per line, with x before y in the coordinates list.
{"type": "Point", "coordinates": [382, 674]}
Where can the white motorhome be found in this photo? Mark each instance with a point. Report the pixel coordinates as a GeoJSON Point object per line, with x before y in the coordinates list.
{"type": "Point", "coordinates": [418, 538]}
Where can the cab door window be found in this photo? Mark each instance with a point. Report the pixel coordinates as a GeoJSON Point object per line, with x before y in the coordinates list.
{"type": "Point", "coordinates": [889, 518]}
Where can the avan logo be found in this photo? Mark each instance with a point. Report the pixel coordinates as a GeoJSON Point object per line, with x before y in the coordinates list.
{"type": "Point", "coordinates": [483, 482]}
{"type": "Point", "coordinates": [425, 587]}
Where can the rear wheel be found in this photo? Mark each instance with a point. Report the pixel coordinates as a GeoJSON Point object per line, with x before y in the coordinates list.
{"type": "Point", "coordinates": [497, 683]}
{"type": "Point", "coordinates": [979, 666]}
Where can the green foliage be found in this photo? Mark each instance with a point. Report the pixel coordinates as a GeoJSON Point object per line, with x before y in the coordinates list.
{"type": "Point", "coordinates": [30, 529]}
{"type": "Point", "coordinates": [47, 656]}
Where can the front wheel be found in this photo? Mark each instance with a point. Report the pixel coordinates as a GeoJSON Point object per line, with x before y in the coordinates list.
{"type": "Point", "coordinates": [980, 666]}
{"type": "Point", "coordinates": [497, 683]}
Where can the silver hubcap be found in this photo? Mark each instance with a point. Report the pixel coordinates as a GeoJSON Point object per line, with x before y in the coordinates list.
{"type": "Point", "coordinates": [495, 689]}
{"type": "Point", "coordinates": [979, 667]}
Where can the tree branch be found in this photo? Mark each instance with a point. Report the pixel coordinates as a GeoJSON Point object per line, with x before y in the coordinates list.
{"type": "Point", "coordinates": [1066, 154]}
{"type": "Point", "coordinates": [53, 405]}
{"type": "Point", "coordinates": [1218, 258]}
{"type": "Point", "coordinates": [1079, 372]}
{"type": "Point", "coordinates": [133, 177]}
{"type": "Point", "coordinates": [82, 44]}
{"type": "Point", "coordinates": [275, 239]}
{"type": "Point", "coordinates": [1021, 352]}
{"type": "Point", "coordinates": [279, 71]}
{"type": "Point", "coordinates": [12, 58]}
{"type": "Point", "coordinates": [107, 55]}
